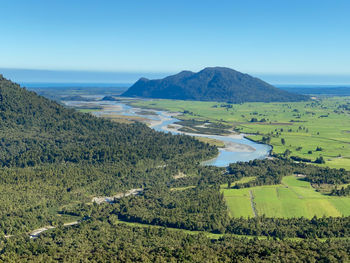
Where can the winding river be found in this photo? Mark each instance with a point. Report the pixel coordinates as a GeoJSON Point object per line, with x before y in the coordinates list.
{"type": "Point", "coordinates": [237, 147]}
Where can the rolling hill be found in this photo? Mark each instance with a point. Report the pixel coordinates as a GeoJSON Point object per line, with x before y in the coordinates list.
{"type": "Point", "coordinates": [211, 84]}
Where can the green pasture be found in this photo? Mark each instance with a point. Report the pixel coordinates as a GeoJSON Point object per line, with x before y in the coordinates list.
{"type": "Point", "coordinates": [304, 126]}
{"type": "Point", "coordinates": [293, 198]}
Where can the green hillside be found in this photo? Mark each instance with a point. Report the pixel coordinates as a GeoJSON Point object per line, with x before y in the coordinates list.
{"type": "Point", "coordinates": [35, 130]}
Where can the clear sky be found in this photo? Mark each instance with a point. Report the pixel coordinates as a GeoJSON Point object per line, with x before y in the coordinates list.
{"type": "Point", "coordinates": [309, 37]}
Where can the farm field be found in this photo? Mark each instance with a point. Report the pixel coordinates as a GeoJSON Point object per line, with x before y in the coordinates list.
{"type": "Point", "coordinates": [292, 198]}
{"type": "Point", "coordinates": [304, 126]}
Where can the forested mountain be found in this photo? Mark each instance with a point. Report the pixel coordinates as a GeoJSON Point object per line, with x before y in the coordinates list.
{"type": "Point", "coordinates": [35, 130]}
{"type": "Point", "coordinates": [211, 84]}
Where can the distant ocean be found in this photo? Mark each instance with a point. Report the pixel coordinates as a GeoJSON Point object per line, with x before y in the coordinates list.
{"type": "Point", "coordinates": [330, 90]}
{"type": "Point", "coordinates": [310, 86]}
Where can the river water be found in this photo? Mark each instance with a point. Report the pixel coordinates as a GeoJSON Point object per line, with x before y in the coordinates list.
{"type": "Point", "coordinates": [237, 149]}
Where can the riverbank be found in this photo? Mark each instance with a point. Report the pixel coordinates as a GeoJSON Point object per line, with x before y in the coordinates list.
{"type": "Point", "coordinates": [228, 145]}
{"type": "Point", "coordinates": [233, 147]}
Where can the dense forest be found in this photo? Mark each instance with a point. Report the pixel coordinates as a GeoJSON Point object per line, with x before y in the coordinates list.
{"type": "Point", "coordinates": [192, 209]}
{"type": "Point", "coordinates": [211, 84]}
{"type": "Point", "coordinates": [324, 227]}
{"type": "Point", "coordinates": [108, 241]}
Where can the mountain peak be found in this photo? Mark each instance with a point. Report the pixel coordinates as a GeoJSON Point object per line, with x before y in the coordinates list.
{"type": "Point", "coordinates": [185, 72]}
{"type": "Point", "coordinates": [217, 69]}
{"type": "Point", "coordinates": [211, 84]}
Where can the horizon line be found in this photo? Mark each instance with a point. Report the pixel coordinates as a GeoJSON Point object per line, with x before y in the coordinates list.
{"type": "Point", "coordinates": [175, 70]}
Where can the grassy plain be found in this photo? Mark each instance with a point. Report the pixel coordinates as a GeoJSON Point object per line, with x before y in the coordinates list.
{"type": "Point", "coordinates": [304, 126]}
{"type": "Point", "coordinates": [293, 198]}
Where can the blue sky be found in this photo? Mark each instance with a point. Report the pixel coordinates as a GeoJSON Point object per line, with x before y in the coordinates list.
{"type": "Point", "coordinates": [285, 37]}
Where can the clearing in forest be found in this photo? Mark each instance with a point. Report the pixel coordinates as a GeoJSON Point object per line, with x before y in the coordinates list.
{"type": "Point", "coordinates": [293, 198]}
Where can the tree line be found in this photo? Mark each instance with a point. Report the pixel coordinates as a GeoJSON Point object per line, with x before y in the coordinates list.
{"type": "Point", "coordinates": [103, 240]}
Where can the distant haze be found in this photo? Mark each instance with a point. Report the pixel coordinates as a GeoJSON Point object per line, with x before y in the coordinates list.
{"type": "Point", "coordinates": [56, 76]}
{"type": "Point", "coordinates": [68, 76]}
